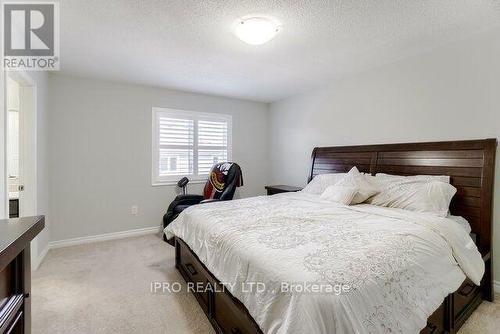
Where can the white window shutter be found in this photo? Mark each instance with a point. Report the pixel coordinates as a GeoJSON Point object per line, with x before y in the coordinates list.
{"type": "Point", "coordinates": [176, 144]}
{"type": "Point", "coordinates": [212, 144]}
{"type": "Point", "coordinates": [188, 143]}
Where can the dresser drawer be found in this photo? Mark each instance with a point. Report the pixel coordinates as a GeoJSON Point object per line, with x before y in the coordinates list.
{"type": "Point", "coordinates": [11, 315]}
{"type": "Point", "coordinates": [195, 275]}
{"type": "Point", "coordinates": [463, 296]}
{"type": "Point", "coordinates": [7, 284]}
{"type": "Point", "coordinates": [230, 317]}
{"type": "Point", "coordinates": [17, 325]}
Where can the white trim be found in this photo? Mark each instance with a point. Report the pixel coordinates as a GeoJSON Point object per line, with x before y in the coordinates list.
{"type": "Point", "coordinates": [28, 149]}
{"type": "Point", "coordinates": [103, 237]}
{"type": "Point", "coordinates": [37, 261]}
{"type": "Point", "coordinates": [496, 286]}
{"type": "Point", "coordinates": [4, 191]}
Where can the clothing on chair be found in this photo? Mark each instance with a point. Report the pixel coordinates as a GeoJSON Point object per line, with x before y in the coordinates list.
{"type": "Point", "coordinates": [219, 177]}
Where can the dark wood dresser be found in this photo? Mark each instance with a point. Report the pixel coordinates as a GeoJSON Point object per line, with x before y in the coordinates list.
{"type": "Point", "coordinates": [15, 272]}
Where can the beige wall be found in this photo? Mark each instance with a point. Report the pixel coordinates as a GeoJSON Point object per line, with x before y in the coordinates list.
{"type": "Point", "coordinates": [449, 94]}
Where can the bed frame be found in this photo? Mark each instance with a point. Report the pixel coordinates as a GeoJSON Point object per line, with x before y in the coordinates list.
{"type": "Point", "coordinates": [471, 166]}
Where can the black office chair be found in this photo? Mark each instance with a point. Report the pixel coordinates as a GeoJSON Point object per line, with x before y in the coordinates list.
{"type": "Point", "coordinates": [221, 185]}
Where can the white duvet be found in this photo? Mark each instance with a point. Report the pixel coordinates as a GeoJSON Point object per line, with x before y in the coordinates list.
{"type": "Point", "coordinates": [395, 267]}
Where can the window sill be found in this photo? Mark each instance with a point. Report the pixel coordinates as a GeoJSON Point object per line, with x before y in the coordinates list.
{"type": "Point", "coordinates": [174, 183]}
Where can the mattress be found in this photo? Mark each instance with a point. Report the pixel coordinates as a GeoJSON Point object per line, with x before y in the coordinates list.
{"type": "Point", "coordinates": [301, 264]}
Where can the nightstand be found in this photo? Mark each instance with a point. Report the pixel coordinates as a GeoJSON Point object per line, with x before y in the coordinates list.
{"type": "Point", "coordinates": [271, 190]}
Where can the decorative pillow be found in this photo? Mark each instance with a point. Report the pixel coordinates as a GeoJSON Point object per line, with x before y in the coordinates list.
{"type": "Point", "coordinates": [322, 181]}
{"type": "Point", "coordinates": [340, 194]}
{"type": "Point", "coordinates": [355, 179]}
{"type": "Point", "coordinates": [416, 195]}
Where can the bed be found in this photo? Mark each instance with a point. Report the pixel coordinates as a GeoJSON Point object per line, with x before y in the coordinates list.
{"type": "Point", "coordinates": [401, 272]}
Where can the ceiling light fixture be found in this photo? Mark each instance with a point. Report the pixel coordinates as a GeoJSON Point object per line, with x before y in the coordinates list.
{"type": "Point", "coordinates": [256, 30]}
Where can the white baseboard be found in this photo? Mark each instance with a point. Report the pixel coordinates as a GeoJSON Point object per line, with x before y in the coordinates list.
{"type": "Point", "coordinates": [496, 286]}
{"type": "Point", "coordinates": [103, 237]}
{"type": "Point", "coordinates": [39, 259]}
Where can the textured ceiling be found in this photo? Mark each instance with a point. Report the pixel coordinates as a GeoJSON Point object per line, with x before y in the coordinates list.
{"type": "Point", "coordinates": [188, 44]}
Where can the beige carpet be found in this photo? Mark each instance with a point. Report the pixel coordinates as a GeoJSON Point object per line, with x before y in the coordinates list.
{"type": "Point", "coordinates": [106, 288]}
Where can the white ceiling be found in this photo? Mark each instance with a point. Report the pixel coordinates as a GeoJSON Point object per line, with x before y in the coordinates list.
{"type": "Point", "coordinates": [188, 44]}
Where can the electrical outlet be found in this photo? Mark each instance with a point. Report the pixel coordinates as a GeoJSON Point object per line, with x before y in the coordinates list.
{"type": "Point", "coordinates": [134, 210]}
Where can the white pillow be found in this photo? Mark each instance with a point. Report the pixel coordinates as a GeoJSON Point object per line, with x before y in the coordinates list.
{"type": "Point", "coordinates": [355, 179]}
{"type": "Point", "coordinates": [322, 181]}
{"type": "Point", "coordinates": [422, 178]}
{"type": "Point", "coordinates": [416, 195]}
{"type": "Point", "coordinates": [462, 222]}
{"type": "Point", "coordinates": [340, 194]}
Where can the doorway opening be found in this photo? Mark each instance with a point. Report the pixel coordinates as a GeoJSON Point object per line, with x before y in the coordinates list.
{"type": "Point", "coordinates": [14, 184]}
{"type": "Point", "coordinates": [21, 144]}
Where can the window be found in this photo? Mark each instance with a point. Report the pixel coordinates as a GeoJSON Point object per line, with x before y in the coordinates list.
{"type": "Point", "coordinates": [187, 143]}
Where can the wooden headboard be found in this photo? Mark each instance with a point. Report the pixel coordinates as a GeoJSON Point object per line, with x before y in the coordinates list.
{"type": "Point", "coordinates": [471, 165]}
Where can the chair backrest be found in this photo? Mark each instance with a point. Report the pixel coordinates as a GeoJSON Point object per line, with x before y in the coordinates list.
{"type": "Point", "coordinates": [222, 181]}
